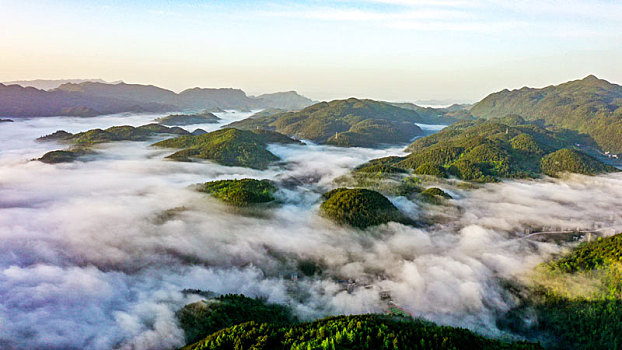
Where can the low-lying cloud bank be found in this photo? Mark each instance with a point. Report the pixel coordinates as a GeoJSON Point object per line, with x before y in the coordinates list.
{"type": "Point", "coordinates": [92, 256]}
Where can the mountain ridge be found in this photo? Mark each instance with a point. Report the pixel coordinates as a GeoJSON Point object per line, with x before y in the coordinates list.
{"type": "Point", "coordinates": [589, 105]}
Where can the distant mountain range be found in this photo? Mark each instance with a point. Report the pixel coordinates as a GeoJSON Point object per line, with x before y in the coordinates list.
{"type": "Point", "coordinates": [48, 84]}
{"type": "Point", "coordinates": [96, 98]}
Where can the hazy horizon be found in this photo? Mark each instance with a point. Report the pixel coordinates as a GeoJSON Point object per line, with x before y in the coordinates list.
{"type": "Point", "coordinates": [396, 50]}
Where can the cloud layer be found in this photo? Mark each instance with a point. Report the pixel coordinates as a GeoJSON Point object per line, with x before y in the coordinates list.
{"type": "Point", "coordinates": [95, 254]}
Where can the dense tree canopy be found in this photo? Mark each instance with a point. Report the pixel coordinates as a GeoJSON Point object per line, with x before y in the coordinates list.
{"type": "Point", "coordinates": [591, 105]}
{"type": "Point", "coordinates": [486, 150]}
{"type": "Point", "coordinates": [351, 332]}
{"type": "Point", "coordinates": [359, 208]}
{"type": "Point", "coordinates": [351, 122]}
{"type": "Point", "coordinates": [241, 193]}
{"type": "Point", "coordinates": [200, 319]}
{"type": "Point", "coordinates": [228, 147]}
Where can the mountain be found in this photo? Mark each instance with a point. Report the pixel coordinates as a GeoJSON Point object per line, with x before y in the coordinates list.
{"type": "Point", "coordinates": [228, 146]}
{"type": "Point", "coordinates": [444, 115]}
{"type": "Point", "coordinates": [45, 84]}
{"type": "Point", "coordinates": [486, 150]}
{"type": "Point", "coordinates": [18, 101]}
{"type": "Point", "coordinates": [204, 117]}
{"type": "Point", "coordinates": [590, 105]}
{"type": "Point", "coordinates": [91, 98]}
{"type": "Point", "coordinates": [225, 98]}
{"type": "Point", "coordinates": [351, 122]}
{"type": "Point", "coordinates": [133, 92]}
{"type": "Point", "coordinates": [289, 100]}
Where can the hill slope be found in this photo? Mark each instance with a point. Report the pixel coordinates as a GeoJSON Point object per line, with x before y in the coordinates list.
{"type": "Point", "coordinates": [228, 146]}
{"type": "Point", "coordinates": [576, 299]}
{"type": "Point", "coordinates": [351, 122]}
{"type": "Point", "coordinates": [591, 105]}
{"type": "Point", "coordinates": [351, 332]}
{"type": "Point", "coordinates": [485, 150]}
{"type": "Point", "coordinates": [289, 100]}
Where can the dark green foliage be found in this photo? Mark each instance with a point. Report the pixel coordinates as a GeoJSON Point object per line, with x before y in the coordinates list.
{"type": "Point", "coordinates": [54, 157]}
{"type": "Point", "coordinates": [59, 135]}
{"type": "Point", "coordinates": [434, 195]}
{"type": "Point", "coordinates": [591, 105]}
{"type": "Point", "coordinates": [309, 267]}
{"type": "Point", "coordinates": [526, 143]}
{"type": "Point", "coordinates": [242, 192]}
{"type": "Point", "coordinates": [430, 169]}
{"type": "Point", "coordinates": [204, 117]}
{"type": "Point", "coordinates": [483, 151]}
{"type": "Point", "coordinates": [577, 318]}
{"type": "Point", "coordinates": [593, 255]}
{"type": "Point", "coordinates": [435, 191]}
{"type": "Point", "coordinates": [352, 332]}
{"type": "Point", "coordinates": [571, 161]}
{"type": "Point", "coordinates": [228, 146]}
{"type": "Point", "coordinates": [203, 318]}
{"type": "Point", "coordinates": [581, 324]}
{"type": "Point", "coordinates": [467, 170]}
{"type": "Point", "coordinates": [380, 170]}
{"type": "Point", "coordinates": [371, 132]}
{"type": "Point", "coordinates": [351, 122]}
{"type": "Point", "coordinates": [385, 161]}
{"type": "Point", "coordinates": [359, 208]}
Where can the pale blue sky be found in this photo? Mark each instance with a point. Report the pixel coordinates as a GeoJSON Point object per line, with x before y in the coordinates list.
{"type": "Point", "coordinates": [386, 49]}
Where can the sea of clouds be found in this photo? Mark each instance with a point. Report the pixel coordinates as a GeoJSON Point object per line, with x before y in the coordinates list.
{"type": "Point", "coordinates": [94, 254]}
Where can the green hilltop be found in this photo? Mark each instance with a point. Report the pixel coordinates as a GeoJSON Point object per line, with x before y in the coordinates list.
{"type": "Point", "coordinates": [64, 156]}
{"type": "Point", "coordinates": [83, 141]}
{"type": "Point", "coordinates": [228, 146]}
{"type": "Point", "coordinates": [204, 117]}
{"type": "Point", "coordinates": [486, 150]}
{"type": "Point", "coordinates": [351, 332]}
{"type": "Point", "coordinates": [360, 208]}
{"type": "Point", "coordinates": [115, 133]}
{"type": "Point", "coordinates": [351, 122]}
{"type": "Point", "coordinates": [240, 193]}
{"type": "Point", "coordinates": [200, 319]}
{"type": "Point", "coordinates": [590, 105]}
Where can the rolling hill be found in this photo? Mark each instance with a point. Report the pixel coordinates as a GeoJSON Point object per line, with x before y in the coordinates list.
{"type": "Point", "coordinates": [351, 122]}
{"type": "Point", "coordinates": [590, 105]}
{"type": "Point", "coordinates": [486, 150]}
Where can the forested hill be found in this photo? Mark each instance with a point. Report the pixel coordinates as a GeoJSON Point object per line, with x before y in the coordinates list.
{"type": "Point", "coordinates": [486, 150]}
{"type": "Point", "coordinates": [590, 105]}
{"type": "Point", "coordinates": [351, 332]}
{"type": "Point", "coordinates": [351, 122]}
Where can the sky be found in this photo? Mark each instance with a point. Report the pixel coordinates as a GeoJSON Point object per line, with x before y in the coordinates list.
{"type": "Point", "coordinates": [398, 50]}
